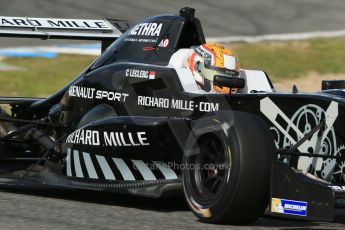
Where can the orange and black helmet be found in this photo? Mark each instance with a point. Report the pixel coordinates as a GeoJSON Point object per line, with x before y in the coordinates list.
{"type": "Point", "coordinates": [212, 59]}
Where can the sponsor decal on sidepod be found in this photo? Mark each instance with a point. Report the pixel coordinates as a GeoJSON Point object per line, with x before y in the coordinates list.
{"type": "Point", "coordinates": [289, 207]}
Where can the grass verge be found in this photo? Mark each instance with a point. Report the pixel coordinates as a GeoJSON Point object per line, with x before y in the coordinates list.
{"type": "Point", "coordinates": [38, 77]}
{"type": "Point", "coordinates": [287, 60]}
{"type": "Point", "coordinates": [283, 61]}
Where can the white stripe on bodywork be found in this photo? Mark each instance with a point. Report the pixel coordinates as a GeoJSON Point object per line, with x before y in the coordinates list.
{"type": "Point", "coordinates": [68, 163]}
{"type": "Point", "coordinates": [107, 172]}
{"type": "Point", "coordinates": [89, 166]}
{"type": "Point", "coordinates": [167, 172]}
{"type": "Point", "coordinates": [123, 168]}
{"type": "Point", "coordinates": [271, 111]}
{"type": "Point", "coordinates": [331, 115]}
{"type": "Point", "coordinates": [144, 170]}
{"type": "Point", "coordinates": [77, 166]}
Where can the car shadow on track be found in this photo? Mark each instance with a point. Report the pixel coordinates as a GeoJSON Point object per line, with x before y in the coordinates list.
{"type": "Point", "coordinates": [169, 204]}
{"type": "Point", "coordinates": [165, 204]}
{"type": "Point", "coordinates": [285, 224]}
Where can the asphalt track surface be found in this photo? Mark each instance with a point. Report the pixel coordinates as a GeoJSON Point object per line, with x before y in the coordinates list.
{"type": "Point", "coordinates": [54, 209]}
{"type": "Point", "coordinates": [218, 17]}
{"type": "Point", "coordinates": [50, 209]}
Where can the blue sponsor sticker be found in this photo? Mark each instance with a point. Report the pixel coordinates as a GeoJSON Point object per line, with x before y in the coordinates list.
{"type": "Point", "coordinates": [289, 207]}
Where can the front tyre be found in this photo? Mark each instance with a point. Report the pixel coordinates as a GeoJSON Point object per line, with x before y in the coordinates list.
{"type": "Point", "coordinates": [227, 164]}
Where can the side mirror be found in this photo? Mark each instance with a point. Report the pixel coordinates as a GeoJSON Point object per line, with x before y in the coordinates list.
{"type": "Point", "coordinates": [231, 82]}
{"type": "Point", "coordinates": [333, 84]}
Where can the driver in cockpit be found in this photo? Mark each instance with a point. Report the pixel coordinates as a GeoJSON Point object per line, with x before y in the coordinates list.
{"type": "Point", "coordinates": [210, 59]}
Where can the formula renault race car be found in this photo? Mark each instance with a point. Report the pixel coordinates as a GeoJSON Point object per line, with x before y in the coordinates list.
{"type": "Point", "coordinates": [136, 122]}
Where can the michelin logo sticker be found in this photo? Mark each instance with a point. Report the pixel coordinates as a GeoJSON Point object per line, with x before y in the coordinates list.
{"type": "Point", "coordinates": [289, 207]}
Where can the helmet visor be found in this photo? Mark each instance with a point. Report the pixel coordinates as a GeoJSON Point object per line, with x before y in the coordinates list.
{"type": "Point", "coordinates": [208, 71]}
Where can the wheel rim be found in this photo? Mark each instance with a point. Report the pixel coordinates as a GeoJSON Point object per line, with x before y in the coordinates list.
{"type": "Point", "coordinates": [214, 164]}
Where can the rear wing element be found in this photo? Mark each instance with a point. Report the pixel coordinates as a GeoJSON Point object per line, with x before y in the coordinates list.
{"type": "Point", "coordinates": [105, 30]}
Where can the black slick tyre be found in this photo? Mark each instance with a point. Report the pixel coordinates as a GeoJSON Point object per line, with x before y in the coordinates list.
{"type": "Point", "coordinates": [227, 165]}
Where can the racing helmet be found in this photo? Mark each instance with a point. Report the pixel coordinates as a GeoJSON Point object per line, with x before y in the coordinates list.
{"type": "Point", "coordinates": [212, 59]}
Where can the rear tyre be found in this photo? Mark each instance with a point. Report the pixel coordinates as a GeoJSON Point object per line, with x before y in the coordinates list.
{"type": "Point", "coordinates": [227, 164]}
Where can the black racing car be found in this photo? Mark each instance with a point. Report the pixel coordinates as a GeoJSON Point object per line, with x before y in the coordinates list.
{"type": "Point", "coordinates": [133, 122]}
